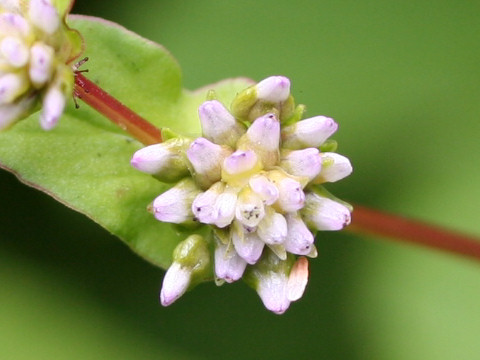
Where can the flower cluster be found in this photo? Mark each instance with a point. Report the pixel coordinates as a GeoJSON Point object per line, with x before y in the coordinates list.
{"type": "Point", "coordinates": [255, 178]}
{"type": "Point", "coordinates": [35, 48]}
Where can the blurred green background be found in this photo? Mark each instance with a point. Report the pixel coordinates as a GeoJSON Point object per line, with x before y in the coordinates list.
{"type": "Point", "coordinates": [401, 78]}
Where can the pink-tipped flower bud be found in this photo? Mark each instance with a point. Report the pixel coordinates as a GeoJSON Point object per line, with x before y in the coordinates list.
{"type": "Point", "coordinates": [229, 266]}
{"type": "Point", "coordinates": [299, 240]}
{"type": "Point", "coordinates": [273, 228]}
{"type": "Point", "coordinates": [263, 136]}
{"type": "Point", "coordinates": [322, 213]}
{"type": "Point", "coordinates": [273, 89]}
{"type": "Point", "coordinates": [218, 125]}
{"type": "Point", "coordinates": [44, 15]}
{"type": "Point", "coordinates": [12, 85]}
{"type": "Point", "coordinates": [175, 205]}
{"type": "Point", "coordinates": [298, 279]}
{"type": "Point", "coordinates": [41, 63]}
{"type": "Point", "coordinates": [335, 167]}
{"type": "Point", "coordinates": [303, 163]}
{"type": "Point", "coordinates": [247, 243]}
{"type": "Point", "coordinates": [310, 132]}
{"type": "Point", "coordinates": [14, 51]}
{"type": "Point", "coordinates": [291, 196]}
{"type": "Point", "coordinates": [53, 105]}
{"type": "Point", "coordinates": [207, 159]}
{"type": "Point", "coordinates": [264, 188]}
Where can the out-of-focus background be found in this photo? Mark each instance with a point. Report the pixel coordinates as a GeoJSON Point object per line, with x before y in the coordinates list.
{"type": "Point", "coordinates": [403, 81]}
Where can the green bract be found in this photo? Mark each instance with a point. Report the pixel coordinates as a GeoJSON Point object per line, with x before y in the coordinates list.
{"type": "Point", "coordinates": [84, 161]}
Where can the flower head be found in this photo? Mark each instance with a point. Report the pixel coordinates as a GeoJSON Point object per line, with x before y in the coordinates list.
{"type": "Point", "coordinates": [257, 184]}
{"type": "Point", "coordinates": [36, 48]}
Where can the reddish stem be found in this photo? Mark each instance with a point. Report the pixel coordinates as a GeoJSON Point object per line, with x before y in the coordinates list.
{"type": "Point", "coordinates": [115, 111]}
{"type": "Point", "coordinates": [375, 222]}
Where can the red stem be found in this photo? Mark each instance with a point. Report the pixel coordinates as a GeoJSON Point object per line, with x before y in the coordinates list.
{"type": "Point", "coordinates": [375, 222]}
{"type": "Point", "coordinates": [115, 111]}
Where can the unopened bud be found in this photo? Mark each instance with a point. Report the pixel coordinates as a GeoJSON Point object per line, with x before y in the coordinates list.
{"type": "Point", "coordinates": [225, 206]}
{"type": "Point", "coordinates": [273, 228]}
{"type": "Point", "coordinates": [273, 89]}
{"type": "Point", "coordinates": [298, 279]}
{"type": "Point", "coordinates": [203, 207]}
{"type": "Point", "coordinates": [53, 105]}
{"type": "Point", "coordinates": [299, 239]}
{"type": "Point", "coordinates": [238, 167]}
{"type": "Point", "coordinates": [44, 15]}
{"type": "Point", "coordinates": [303, 163]}
{"type": "Point", "coordinates": [335, 167]}
{"type": "Point", "coordinates": [165, 160]}
{"type": "Point", "coordinates": [218, 125]}
{"type": "Point", "coordinates": [322, 213]}
{"type": "Point", "coordinates": [175, 205]}
{"type": "Point", "coordinates": [229, 266]}
{"type": "Point", "coordinates": [247, 243]}
{"type": "Point", "coordinates": [264, 188]}
{"type": "Point", "coordinates": [12, 85]}
{"type": "Point", "coordinates": [41, 61]}
{"type": "Point", "coordinates": [207, 159]}
{"type": "Point", "coordinates": [310, 132]}
{"type": "Point", "coordinates": [14, 51]}
{"type": "Point", "coordinates": [250, 209]}
{"type": "Point", "coordinates": [291, 196]}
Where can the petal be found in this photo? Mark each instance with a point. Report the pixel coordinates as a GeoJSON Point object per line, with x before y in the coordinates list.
{"type": "Point", "coordinates": [299, 239]}
{"type": "Point", "coordinates": [335, 167]}
{"type": "Point", "coordinates": [323, 213]}
{"type": "Point", "coordinates": [291, 196]}
{"type": "Point", "coordinates": [174, 205]}
{"type": "Point", "coordinates": [228, 264]}
{"type": "Point", "coordinates": [298, 279]}
{"type": "Point", "coordinates": [309, 132]}
{"type": "Point", "coordinates": [263, 187]}
{"type": "Point", "coordinates": [273, 228]}
{"type": "Point", "coordinates": [247, 244]}
{"type": "Point", "coordinates": [304, 163]}
{"type": "Point", "coordinates": [175, 283]}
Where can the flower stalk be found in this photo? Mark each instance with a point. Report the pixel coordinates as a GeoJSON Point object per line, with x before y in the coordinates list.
{"type": "Point", "coordinates": [115, 111]}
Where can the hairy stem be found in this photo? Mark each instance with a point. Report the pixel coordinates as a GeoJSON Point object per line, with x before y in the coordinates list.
{"type": "Point", "coordinates": [375, 222]}
{"type": "Point", "coordinates": [115, 111]}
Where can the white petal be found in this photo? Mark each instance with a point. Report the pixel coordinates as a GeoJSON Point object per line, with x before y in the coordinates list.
{"type": "Point", "coordinates": [44, 15]}
{"type": "Point", "coordinates": [174, 205]}
{"type": "Point", "coordinates": [263, 187]}
{"type": "Point", "coordinates": [41, 59]}
{"type": "Point", "coordinates": [323, 213]}
{"type": "Point", "coordinates": [304, 163]}
{"type": "Point", "coordinates": [53, 105]}
{"type": "Point", "coordinates": [272, 289]}
{"type": "Point", "coordinates": [299, 239]}
{"type": "Point", "coordinates": [218, 125]}
{"type": "Point", "coordinates": [336, 167]}
{"type": "Point", "coordinates": [291, 196]}
{"type": "Point", "coordinates": [273, 228]}
{"type": "Point", "coordinates": [175, 283]}
{"type": "Point", "coordinates": [224, 209]}
{"type": "Point", "coordinates": [14, 51]}
{"type": "Point", "coordinates": [228, 264]}
{"type": "Point", "coordinates": [247, 244]}
{"type": "Point", "coordinates": [273, 89]}
{"type": "Point", "coordinates": [310, 132]}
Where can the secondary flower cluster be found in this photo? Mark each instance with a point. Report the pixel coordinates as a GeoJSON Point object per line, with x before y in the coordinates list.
{"type": "Point", "coordinates": [35, 47]}
{"type": "Point", "coordinates": [254, 177]}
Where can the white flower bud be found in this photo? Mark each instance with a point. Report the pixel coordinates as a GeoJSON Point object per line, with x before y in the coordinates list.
{"type": "Point", "coordinates": [218, 125]}
{"type": "Point", "coordinates": [224, 208]}
{"type": "Point", "coordinates": [13, 24]}
{"type": "Point", "coordinates": [323, 213]}
{"type": "Point", "coordinates": [291, 196]}
{"type": "Point", "coordinates": [299, 238]}
{"type": "Point", "coordinates": [207, 159]}
{"type": "Point", "coordinates": [247, 243]}
{"type": "Point", "coordinates": [41, 60]}
{"type": "Point", "coordinates": [165, 160]}
{"type": "Point", "coordinates": [303, 163]}
{"type": "Point", "coordinates": [44, 15]}
{"type": "Point", "coordinates": [203, 207]}
{"type": "Point", "coordinates": [273, 228]}
{"type": "Point", "coordinates": [12, 85]}
{"type": "Point", "coordinates": [229, 266]}
{"type": "Point", "coordinates": [298, 279]}
{"type": "Point", "coordinates": [273, 89]}
{"type": "Point", "coordinates": [264, 188]}
{"type": "Point", "coordinates": [175, 205]}
{"type": "Point", "coordinates": [53, 105]}
{"type": "Point", "coordinates": [272, 289]}
{"type": "Point", "coordinates": [175, 283]}
{"type": "Point", "coordinates": [310, 132]}
{"type": "Point", "coordinates": [239, 162]}
{"type": "Point", "coordinates": [250, 209]}
{"type": "Point", "coordinates": [14, 51]}
{"type": "Point", "coordinates": [335, 167]}
{"type": "Point", "coordinates": [263, 136]}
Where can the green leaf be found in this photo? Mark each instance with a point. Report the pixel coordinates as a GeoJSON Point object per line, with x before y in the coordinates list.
{"type": "Point", "coordinates": [84, 161]}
